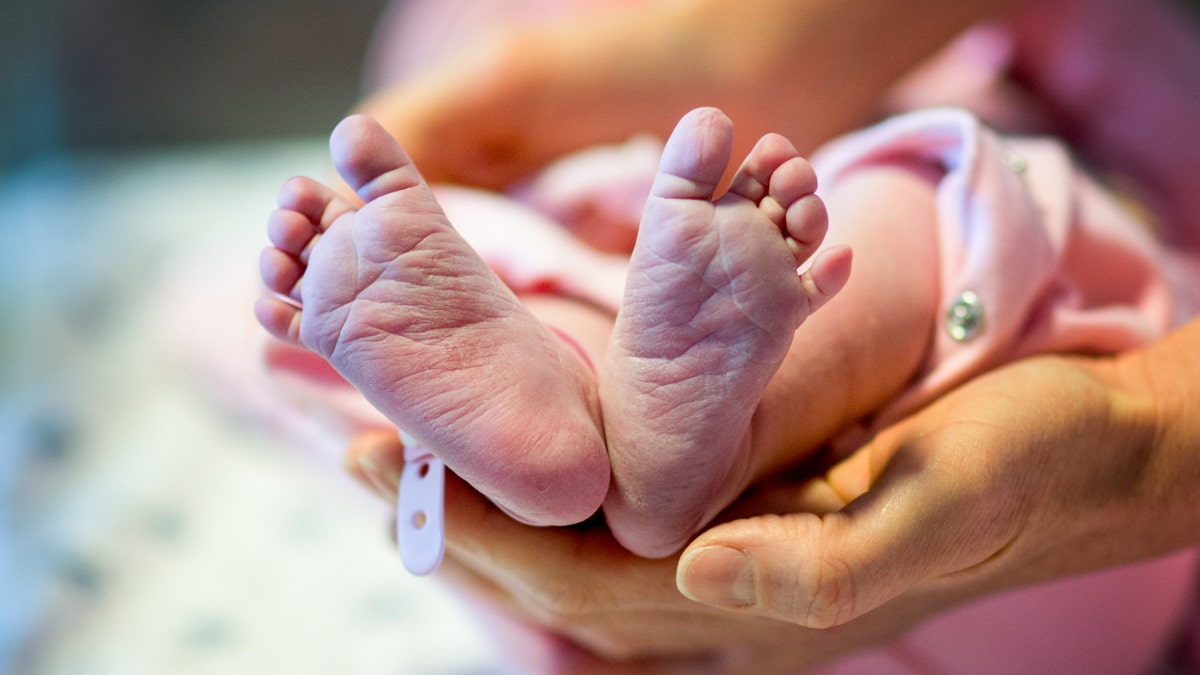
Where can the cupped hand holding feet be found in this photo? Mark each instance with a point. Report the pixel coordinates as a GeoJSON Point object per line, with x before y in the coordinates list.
{"type": "Point", "coordinates": [909, 526]}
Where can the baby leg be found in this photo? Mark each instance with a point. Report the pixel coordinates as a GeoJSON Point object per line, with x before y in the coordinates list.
{"type": "Point", "coordinates": [711, 304]}
{"type": "Point", "coordinates": [406, 311]}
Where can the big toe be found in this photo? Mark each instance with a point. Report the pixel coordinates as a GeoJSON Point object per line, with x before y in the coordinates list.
{"type": "Point", "coordinates": [369, 159]}
{"type": "Point", "coordinates": [695, 156]}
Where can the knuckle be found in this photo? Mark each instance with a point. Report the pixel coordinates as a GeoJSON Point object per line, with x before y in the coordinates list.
{"type": "Point", "coordinates": [563, 602]}
{"type": "Point", "coordinates": [821, 588]}
{"type": "Point", "coordinates": [827, 597]}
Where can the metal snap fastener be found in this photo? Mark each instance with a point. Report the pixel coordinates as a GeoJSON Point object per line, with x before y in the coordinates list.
{"type": "Point", "coordinates": [1015, 162]}
{"type": "Point", "coordinates": [964, 318]}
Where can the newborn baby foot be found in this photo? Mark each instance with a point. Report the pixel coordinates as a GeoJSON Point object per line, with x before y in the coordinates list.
{"type": "Point", "coordinates": [711, 304]}
{"type": "Point", "coordinates": [406, 311]}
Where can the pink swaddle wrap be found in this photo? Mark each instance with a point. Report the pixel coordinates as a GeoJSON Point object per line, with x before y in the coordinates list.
{"type": "Point", "coordinates": [1049, 262]}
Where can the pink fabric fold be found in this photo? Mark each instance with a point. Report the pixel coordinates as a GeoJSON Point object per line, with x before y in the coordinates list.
{"type": "Point", "coordinates": [1057, 264]}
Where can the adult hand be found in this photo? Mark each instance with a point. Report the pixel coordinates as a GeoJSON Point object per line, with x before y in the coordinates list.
{"type": "Point", "coordinates": [1042, 469]}
{"type": "Point", "coordinates": [573, 600]}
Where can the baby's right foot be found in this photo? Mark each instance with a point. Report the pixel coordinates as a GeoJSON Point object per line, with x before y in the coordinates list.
{"type": "Point", "coordinates": [406, 311]}
{"type": "Point", "coordinates": [711, 304]}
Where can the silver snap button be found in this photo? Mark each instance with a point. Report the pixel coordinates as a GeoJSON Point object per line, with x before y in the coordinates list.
{"type": "Point", "coordinates": [1015, 162]}
{"type": "Point", "coordinates": [964, 318]}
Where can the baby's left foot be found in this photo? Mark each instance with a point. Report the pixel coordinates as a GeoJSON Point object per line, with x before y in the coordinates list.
{"type": "Point", "coordinates": [712, 302]}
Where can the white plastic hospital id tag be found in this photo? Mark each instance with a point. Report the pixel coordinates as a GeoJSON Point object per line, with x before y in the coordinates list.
{"type": "Point", "coordinates": [420, 531]}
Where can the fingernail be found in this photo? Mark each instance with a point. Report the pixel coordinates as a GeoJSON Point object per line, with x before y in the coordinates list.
{"type": "Point", "coordinates": [388, 479]}
{"type": "Point", "coordinates": [719, 576]}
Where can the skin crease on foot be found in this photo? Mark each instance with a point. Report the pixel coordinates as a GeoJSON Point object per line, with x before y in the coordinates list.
{"type": "Point", "coordinates": [712, 302]}
{"type": "Point", "coordinates": [404, 309]}
{"type": "Point", "coordinates": [417, 324]}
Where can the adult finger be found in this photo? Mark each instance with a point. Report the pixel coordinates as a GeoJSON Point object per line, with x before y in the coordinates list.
{"type": "Point", "coordinates": [374, 459]}
{"type": "Point", "coordinates": [914, 513]}
{"type": "Point", "coordinates": [587, 605]}
{"type": "Point", "coordinates": [541, 565]}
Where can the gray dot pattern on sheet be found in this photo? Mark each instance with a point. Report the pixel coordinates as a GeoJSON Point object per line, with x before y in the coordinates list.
{"type": "Point", "coordinates": [151, 522]}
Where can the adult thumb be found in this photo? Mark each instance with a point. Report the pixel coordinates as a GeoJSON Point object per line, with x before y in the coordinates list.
{"type": "Point", "coordinates": [923, 517]}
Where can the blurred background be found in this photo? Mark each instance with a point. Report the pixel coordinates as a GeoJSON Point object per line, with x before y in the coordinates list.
{"type": "Point", "coordinates": [159, 512]}
{"type": "Point", "coordinates": [94, 74]}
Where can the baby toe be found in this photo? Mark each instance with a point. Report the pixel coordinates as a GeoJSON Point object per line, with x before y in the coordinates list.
{"type": "Point", "coordinates": [807, 222]}
{"type": "Point", "coordinates": [370, 160]}
{"type": "Point", "coordinates": [826, 277]}
{"type": "Point", "coordinates": [695, 156]}
{"type": "Point", "coordinates": [793, 180]}
{"type": "Point", "coordinates": [290, 231]}
{"type": "Point", "coordinates": [753, 178]}
{"type": "Point", "coordinates": [279, 271]}
{"type": "Point", "coordinates": [280, 319]}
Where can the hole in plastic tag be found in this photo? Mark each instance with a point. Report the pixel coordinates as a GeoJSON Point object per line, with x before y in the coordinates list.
{"type": "Point", "coordinates": [420, 532]}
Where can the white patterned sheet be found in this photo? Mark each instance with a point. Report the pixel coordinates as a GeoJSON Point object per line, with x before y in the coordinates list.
{"type": "Point", "coordinates": [150, 520]}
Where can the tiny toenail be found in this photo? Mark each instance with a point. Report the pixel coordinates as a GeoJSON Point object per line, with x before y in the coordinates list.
{"type": "Point", "coordinates": [964, 318]}
{"type": "Point", "coordinates": [718, 575]}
